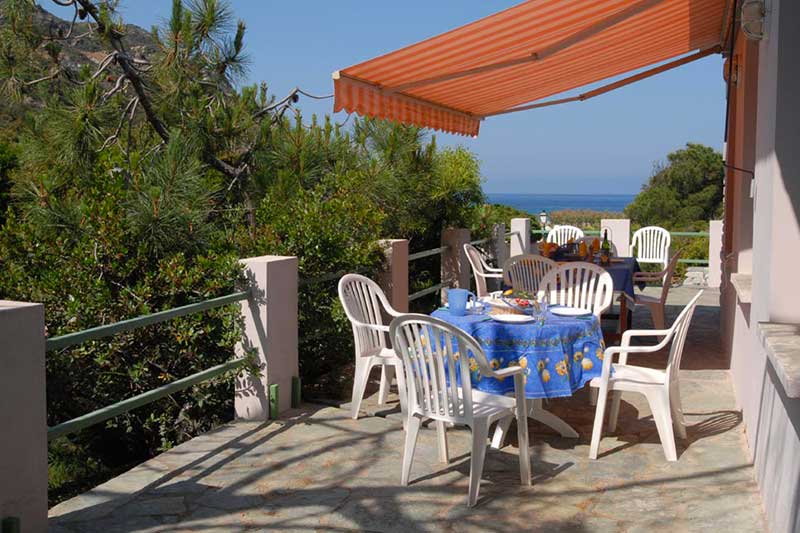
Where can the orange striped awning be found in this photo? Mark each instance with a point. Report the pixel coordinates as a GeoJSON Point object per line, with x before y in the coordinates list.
{"type": "Point", "coordinates": [509, 60]}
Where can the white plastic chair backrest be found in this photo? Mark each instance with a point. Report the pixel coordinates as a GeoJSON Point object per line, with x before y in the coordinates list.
{"type": "Point", "coordinates": [525, 272]}
{"type": "Point", "coordinates": [652, 245]}
{"type": "Point", "coordinates": [678, 332]}
{"type": "Point", "coordinates": [364, 302]}
{"type": "Point", "coordinates": [562, 234]}
{"type": "Point", "coordinates": [667, 281]}
{"type": "Point", "coordinates": [436, 359]}
{"type": "Point", "coordinates": [581, 285]}
{"type": "Point", "coordinates": [479, 269]}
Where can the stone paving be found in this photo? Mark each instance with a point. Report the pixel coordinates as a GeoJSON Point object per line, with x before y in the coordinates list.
{"type": "Point", "coordinates": [318, 470]}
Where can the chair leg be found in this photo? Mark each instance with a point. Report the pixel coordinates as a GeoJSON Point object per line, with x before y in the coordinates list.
{"type": "Point", "coordinates": [599, 414]}
{"type": "Point", "coordinates": [677, 411]}
{"type": "Point", "coordinates": [402, 393]}
{"type": "Point", "coordinates": [659, 405]}
{"type": "Point", "coordinates": [441, 438]}
{"type": "Point", "coordinates": [480, 432]}
{"type": "Point", "coordinates": [657, 312]}
{"type": "Point", "coordinates": [387, 374]}
{"type": "Point", "coordinates": [408, 449]}
{"type": "Point", "coordinates": [524, 452]}
{"type": "Point", "coordinates": [613, 414]}
{"type": "Point", "coordinates": [500, 432]}
{"type": "Point", "coordinates": [363, 366]}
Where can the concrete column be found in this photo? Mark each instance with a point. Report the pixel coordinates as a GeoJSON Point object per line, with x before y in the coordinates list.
{"type": "Point", "coordinates": [394, 279]}
{"type": "Point", "coordinates": [619, 233]}
{"type": "Point", "coordinates": [520, 236]}
{"type": "Point", "coordinates": [269, 321]}
{"type": "Point", "coordinates": [715, 254]}
{"type": "Point", "coordinates": [455, 265]}
{"type": "Point", "coordinates": [23, 415]}
{"type": "Point", "coordinates": [499, 246]}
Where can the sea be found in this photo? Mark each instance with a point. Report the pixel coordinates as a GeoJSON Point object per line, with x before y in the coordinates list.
{"type": "Point", "coordinates": [535, 203]}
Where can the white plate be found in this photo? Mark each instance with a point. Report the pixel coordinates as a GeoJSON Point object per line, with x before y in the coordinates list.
{"type": "Point", "coordinates": [569, 311]}
{"type": "Point", "coordinates": [513, 319]}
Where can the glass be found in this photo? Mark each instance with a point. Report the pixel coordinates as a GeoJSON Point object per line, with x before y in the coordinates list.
{"type": "Point", "coordinates": [540, 310]}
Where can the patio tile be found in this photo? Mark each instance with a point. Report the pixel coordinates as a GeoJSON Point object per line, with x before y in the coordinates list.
{"type": "Point", "coordinates": [321, 470]}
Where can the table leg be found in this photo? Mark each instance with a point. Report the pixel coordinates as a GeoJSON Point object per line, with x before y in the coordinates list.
{"type": "Point", "coordinates": [536, 412]}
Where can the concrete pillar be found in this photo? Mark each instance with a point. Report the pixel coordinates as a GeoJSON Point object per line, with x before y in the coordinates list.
{"type": "Point", "coordinates": [394, 279]}
{"type": "Point", "coordinates": [520, 236]}
{"type": "Point", "coordinates": [23, 415]}
{"type": "Point", "coordinates": [715, 254]}
{"type": "Point", "coordinates": [499, 246]}
{"type": "Point", "coordinates": [269, 321]}
{"type": "Point", "coordinates": [455, 265]}
{"type": "Point", "coordinates": [619, 233]}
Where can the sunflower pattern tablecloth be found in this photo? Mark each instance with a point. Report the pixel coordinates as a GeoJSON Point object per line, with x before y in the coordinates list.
{"type": "Point", "coordinates": [559, 357]}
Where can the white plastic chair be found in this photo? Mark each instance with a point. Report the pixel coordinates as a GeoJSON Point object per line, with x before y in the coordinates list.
{"type": "Point", "coordinates": [652, 245]}
{"type": "Point", "coordinates": [364, 304]}
{"type": "Point", "coordinates": [655, 305]}
{"type": "Point", "coordinates": [659, 386]}
{"type": "Point", "coordinates": [525, 272]}
{"type": "Point", "coordinates": [581, 285]}
{"type": "Point", "coordinates": [481, 270]}
{"type": "Point", "coordinates": [436, 355]}
{"type": "Point", "coordinates": [562, 234]}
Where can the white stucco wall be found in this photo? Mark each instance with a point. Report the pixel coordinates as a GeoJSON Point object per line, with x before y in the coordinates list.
{"type": "Point", "coordinates": [772, 418]}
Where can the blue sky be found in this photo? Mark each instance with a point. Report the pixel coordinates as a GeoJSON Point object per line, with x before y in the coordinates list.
{"type": "Point", "coordinates": [605, 145]}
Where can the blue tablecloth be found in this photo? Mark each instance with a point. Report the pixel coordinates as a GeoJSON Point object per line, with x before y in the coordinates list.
{"type": "Point", "coordinates": [622, 274]}
{"type": "Point", "coordinates": [559, 357]}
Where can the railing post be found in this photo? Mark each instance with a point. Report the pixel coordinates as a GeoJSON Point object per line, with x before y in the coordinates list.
{"type": "Point", "coordinates": [455, 265]}
{"type": "Point", "coordinates": [394, 279]}
{"type": "Point", "coordinates": [269, 322]}
{"type": "Point", "coordinates": [499, 246]}
{"type": "Point", "coordinates": [520, 236]}
{"type": "Point", "coordinates": [715, 254]}
{"type": "Point", "coordinates": [23, 416]}
{"type": "Point", "coordinates": [619, 233]}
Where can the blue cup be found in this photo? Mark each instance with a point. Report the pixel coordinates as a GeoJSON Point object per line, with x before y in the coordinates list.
{"type": "Point", "coordinates": [457, 301]}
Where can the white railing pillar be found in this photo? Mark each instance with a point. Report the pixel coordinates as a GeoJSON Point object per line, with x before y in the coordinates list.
{"type": "Point", "coordinates": [269, 321]}
{"type": "Point", "coordinates": [394, 278]}
{"type": "Point", "coordinates": [715, 253]}
{"type": "Point", "coordinates": [23, 415]}
{"type": "Point", "coordinates": [520, 236]}
{"type": "Point", "coordinates": [499, 246]}
{"type": "Point", "coordinates": [455, 265]}
{"type": "Point", "coordinates": [619, 233]}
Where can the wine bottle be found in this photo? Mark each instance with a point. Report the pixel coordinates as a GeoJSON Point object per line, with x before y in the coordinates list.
{"type": "Point", "coordinates": [606, 246]}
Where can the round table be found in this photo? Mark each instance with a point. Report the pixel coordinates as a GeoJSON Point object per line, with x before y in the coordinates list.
{"type": "Point", "coordinates": [559, 356]}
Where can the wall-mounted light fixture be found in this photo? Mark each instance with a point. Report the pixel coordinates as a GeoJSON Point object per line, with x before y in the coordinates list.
{"type": "Point", "coordinates": [753, 18]}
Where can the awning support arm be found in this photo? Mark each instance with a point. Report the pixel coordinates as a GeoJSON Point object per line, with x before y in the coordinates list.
{"type": "Point", "coordinates": [617, 84]}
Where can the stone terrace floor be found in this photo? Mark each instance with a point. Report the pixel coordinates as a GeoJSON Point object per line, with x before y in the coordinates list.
{"type": "Point", "coordinates": [318, 470]}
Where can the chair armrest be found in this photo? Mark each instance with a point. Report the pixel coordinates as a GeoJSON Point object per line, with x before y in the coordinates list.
{"type": "Point", "coordinates": [631, 299]}
{"type": "Point", "coordinates": [490, 274]}
{"type": "Point", "coordinates": [626, 337]}
{"type": "Point", "coordinates": [649, 276]}
{"type": "Point", "coordinates": [506, 372]}
{"type": "Point", "coordinates": [376, 327]}
{"type": "Point", "coordinates": [495, 270]}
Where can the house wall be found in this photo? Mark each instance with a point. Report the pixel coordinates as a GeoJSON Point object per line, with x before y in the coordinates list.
{"type": "Point", "coordinates": [771, 417]}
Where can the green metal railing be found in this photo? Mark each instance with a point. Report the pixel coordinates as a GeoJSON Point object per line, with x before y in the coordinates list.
{"type": "Point", "coordinates": [124, 406]}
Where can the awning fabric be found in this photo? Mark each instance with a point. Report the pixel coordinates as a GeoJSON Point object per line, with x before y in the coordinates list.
{"type": "Point", "coordinates": [531, 51]}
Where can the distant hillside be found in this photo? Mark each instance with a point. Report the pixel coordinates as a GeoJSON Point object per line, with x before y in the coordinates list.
{"type": "Point", "coordinates": [88, 50]}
